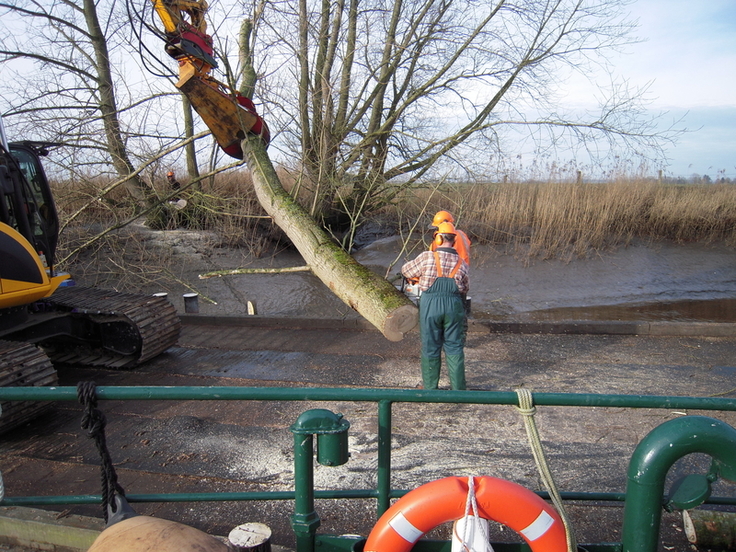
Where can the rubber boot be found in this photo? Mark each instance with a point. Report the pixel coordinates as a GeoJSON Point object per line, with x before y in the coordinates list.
{"type": "Point", "coordinates": [456, 370]}
{"type": "Point", "coordinates": [431, 372]}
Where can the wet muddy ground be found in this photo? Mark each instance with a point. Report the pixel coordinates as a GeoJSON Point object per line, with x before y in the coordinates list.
{"type": "Point", "coordinates": [643, 281]}
{"type": "Point", "coordinates": [212, 445]}
{"type": "Point", "coordinates": [199, 446]}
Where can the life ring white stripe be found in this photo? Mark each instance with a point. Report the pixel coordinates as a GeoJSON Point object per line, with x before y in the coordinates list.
{"type": "Point", "coordinates": [539, 526]}
{"type": "Point", "coordinates": [404, 528]}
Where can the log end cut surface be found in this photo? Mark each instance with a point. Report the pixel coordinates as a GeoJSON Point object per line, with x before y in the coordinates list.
{"type": "Point", "coordinates": [401, 321]}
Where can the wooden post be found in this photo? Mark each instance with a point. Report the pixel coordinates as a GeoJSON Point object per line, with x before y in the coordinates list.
{"type": "Point", "coordinates": [710, 528]}
{"type": "Point", "coordinates": [250, 537]}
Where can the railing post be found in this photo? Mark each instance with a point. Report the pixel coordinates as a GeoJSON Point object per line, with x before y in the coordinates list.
{"type": "Point", "coordinates": [649, 464]}
{"type": "Point", "coordinates": [332, 429]}
{"type": "Point", "coordinates": [305, 519]}
{"type": "Point", "coordinates": [384, 456]}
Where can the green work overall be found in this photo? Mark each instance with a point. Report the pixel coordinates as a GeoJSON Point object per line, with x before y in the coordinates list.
{"type": "Point", "coordinates": [442, 324]}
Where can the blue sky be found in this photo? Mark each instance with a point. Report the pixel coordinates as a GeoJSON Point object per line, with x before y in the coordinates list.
{"type": "Point", "coordinates": [688, 58]}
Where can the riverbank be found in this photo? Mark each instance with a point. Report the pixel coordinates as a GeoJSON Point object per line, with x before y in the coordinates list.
{"type": "Point", "coordinates": [660, 281]}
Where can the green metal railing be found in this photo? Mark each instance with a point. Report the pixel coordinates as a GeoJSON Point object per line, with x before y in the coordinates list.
{"type": "Point", "coordinates": [305, 520]}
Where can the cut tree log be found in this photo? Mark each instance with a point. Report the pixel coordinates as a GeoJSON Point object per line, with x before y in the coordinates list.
{"type": "Point", "coordinates": [250, 537]}
{"type": "Point", "coordinates": [372, 296]}
{"type": "Point", "coordinates": [236, 271]}
{"type": "Point", "coordinates": [710, 529]}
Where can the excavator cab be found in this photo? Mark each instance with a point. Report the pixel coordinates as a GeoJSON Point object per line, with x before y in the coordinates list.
{"type": "Point", "coordinates": [26, 203]}
{"type": "Point", "coordinates": [29, 225]}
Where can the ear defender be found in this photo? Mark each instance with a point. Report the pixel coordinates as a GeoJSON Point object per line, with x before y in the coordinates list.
{"type": "Point", "coordinates": [437, 238]}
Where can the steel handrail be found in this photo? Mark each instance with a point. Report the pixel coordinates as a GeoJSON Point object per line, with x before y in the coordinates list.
{"type": "Point", "coordinates": [66, 393]}
{"type": "Point", "coordinates": [384, 399]}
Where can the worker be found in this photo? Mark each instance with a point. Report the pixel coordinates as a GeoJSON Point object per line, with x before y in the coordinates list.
{"type": "Point", "coordinates": [176, 202]}
{"type": "Point", "coordinates": [173, 182]}
{"type": "Point", "coordinates": [443, 281]}
{"type": "Point", "coordinates": [462, 242]}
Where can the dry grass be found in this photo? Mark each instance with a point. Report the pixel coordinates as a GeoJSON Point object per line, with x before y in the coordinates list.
{"type": "Point", "coordinates": [532, 219]}
{"type": "Point", "coordinates": [569, 219]}
{"type": "Point", "coordinates": [226, 204]}
{"type": "Point", "coordinates": [224, 212]}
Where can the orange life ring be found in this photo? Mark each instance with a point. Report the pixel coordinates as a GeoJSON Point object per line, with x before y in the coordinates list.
{"type": "Point", "coordinates": [437, 502]}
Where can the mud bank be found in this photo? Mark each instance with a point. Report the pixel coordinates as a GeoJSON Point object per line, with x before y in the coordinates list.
{"type": "Point", "coordinates": [644, 281]}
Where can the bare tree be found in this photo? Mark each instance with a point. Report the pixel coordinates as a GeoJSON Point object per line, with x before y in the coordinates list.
{"type": "Point", "coordinates": [191, 150]}
{"type": "Point", "coordinates": [61, 72]}
{"type": "Point", "coordinates": [386, 93]}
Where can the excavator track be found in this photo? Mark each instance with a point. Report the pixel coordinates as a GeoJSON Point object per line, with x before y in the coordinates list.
{"type": "Point", "coordinates": [128, 329]}
{"type": "Point", "coordinates": [23, 365]}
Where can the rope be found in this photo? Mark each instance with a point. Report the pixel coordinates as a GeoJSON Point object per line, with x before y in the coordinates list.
{"type": "Point", "coordinates": [93, 420]}
{"type": "Point", "coordinates": [527, 409]}
{"type": "Point", "coordinates": [471, 503]}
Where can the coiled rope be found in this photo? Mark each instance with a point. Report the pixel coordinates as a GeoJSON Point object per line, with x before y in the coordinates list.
{"type": "Point", "coordinates": [527, 409]}
{"type": "Point", "coordinates": [93, 420]}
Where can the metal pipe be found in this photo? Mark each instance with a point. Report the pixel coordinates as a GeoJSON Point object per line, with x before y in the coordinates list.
{"type": "Point", "coordinates": [192, 497]}
{"type": "Point", "coordinates": [304, 520]}
{"type": "Point", "coordinates": [384, 456]}
{"type": "Point", "coordinates": [3, 136]}
{"type": "Point", "coordinates": [63, 393]}
{"type": "Point", "coordinates": [191, 303]}
{"type": "Point", "coordinates": [649, 464]}
{"type": "Point", "coordinates": [323, 423]}
{"type": "Point", "coordinates": [53, 500]}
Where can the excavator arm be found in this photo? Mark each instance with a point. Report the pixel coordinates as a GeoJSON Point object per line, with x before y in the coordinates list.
{"type": "Point", "coordinates": [228, 114]}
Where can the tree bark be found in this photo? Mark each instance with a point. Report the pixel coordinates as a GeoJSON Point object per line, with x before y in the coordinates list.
{"type": "Point", "coordinates": [709, 528]}
{"type": "Point", "coordinates": [191, 150]}
{"type": "Point", "coordinates": [108, 107]}
{"type": "Point", "coordinates": [372, 296]}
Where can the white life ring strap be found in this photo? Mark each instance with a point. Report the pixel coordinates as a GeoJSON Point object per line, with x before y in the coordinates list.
{"type": "Point", "coordinates": [539, 526]}
{"type": "Point", "coordinates": [404, 528]}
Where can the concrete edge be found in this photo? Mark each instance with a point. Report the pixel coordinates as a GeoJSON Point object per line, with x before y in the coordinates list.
{"type": "Point", "coordinates": [594, 327]}
{"type": "Point", "coordinates": [45, 530]}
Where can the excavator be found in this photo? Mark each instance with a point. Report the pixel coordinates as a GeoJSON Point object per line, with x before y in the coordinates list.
{"type": "Point", "coordinates": [227, 113]}
{"type": "Point", "coordinates": [45, 319]}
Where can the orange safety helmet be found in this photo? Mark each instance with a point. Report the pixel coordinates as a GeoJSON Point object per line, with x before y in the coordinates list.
{"type": "Point", "coordinates": [442, 216]}
{"type": "Point", "coordinates": [446, 228]}
{"type": "Point", "coordinates": [170, 173]}
{"type": "Point", "coordinates": [443, 228]}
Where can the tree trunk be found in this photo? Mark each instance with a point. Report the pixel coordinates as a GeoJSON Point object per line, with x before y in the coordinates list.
{"type": "Point", "coordinates": [372, 296]}
{"type": "Point", "coordinates": [108, 108]}
{"type": "Point", "coordinates": [710, 529]}
{"type": "Point", "coordinates": [191, 150]}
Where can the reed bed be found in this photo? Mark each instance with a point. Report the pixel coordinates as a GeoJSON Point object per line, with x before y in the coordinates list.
{"type": "Point", "coordinates": [573, 219]}
{"type": "Point", "coordinates": [534, 219]}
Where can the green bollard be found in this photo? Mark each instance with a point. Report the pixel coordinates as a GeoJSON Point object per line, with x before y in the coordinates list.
{"type": "Point", "coordinates": [650, 462]}
{"type": "Point", "coordinates": [332, 442]}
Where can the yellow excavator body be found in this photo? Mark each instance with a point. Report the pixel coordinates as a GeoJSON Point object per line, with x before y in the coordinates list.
{"type": "Point", "coordinates": [23, 278]}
